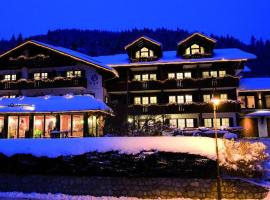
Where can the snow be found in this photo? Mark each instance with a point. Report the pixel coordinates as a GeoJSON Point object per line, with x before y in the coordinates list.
{"type": "Point", "coordinates": [259, 113]}
{"type": "Point", "coordinates": [51, 104]}
{"type": "Point", "coordinates": [254, 84]}
{"type": "Point", "coordinates": [52, 148]}
{"type": "Point", "coordinates": [170, 56]}
{"type": "Point", "coordinates": [23, 196]}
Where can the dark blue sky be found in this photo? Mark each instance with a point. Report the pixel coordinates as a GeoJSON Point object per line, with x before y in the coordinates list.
{"type": "Point", "coordinates": [239, 18]}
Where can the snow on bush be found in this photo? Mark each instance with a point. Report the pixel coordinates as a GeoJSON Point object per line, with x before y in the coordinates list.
{"type": "Point", "coordinates": [243, 157]}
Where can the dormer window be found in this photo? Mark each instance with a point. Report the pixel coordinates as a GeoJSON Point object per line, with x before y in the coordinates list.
{"type": "Point", "coordinates": [194, 49]}
{"type": "Point", "coordinates": [144, 53]}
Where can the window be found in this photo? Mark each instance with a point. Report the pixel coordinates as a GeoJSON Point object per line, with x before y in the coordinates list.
{"type": "Point", "coordinates": [172, 99]}
{"type": "Point", "coordinates": [187, 74]}
{"type": "Point", "coordinates": [10, 77]}
{"type": "Point", "coordinates": [42, 75]}
{"type": "Point", "coordinates": [250, 102]}
{"type": "Point", "coordinates": [77, 73]}
{"type": "Point", "coordinates": [69, 74]}
{"type": "Point", "coordinates": [188, 98]}
{"type": "Point", "coordinates": [152, 76]}
{"type": "Point", "coordinates": [208, 122]}
{"type": "Point", "coordinates": [213, 73]}
{"type": "Point", "coordinates": [190, 123]}
{"type": "Point", "coordinates": [137, 100]}
{"type": "Point", "coordinates": [137, 77]}
{"type": "Point", "coordinates": [242, 99]}
{"type": "Point", "coordinates": [225, 122]}
{"type": "Point", "coordinates": [144, 53]}
{"type": "Point", "coordinates": [180, 99]}
{"type": "Point", "coordinates": [218, 122]}
{"type": "Point", "coordinates": [171, 75]}
{"type": "Point", "coordinates": [205, 74]}
{"type": "Point", "coordinates": [173, 123]}
{"type": "Point", "coordinates": [222, 73]}
{"type": "Point", "coordinates": [145, 77]}
{"type": "Point", "coordinates": [179, 75]}
{"type": "Point", "coordinates": [223, 97]}
{"type": "Point", "coordinates": [145, 100]}
{"type": "Point", "coordinates": [77, 128]}
{"type": "Point", "coordinates": [194, 49]}
{"type": "Point", "coordinates": [267, 101]}
{"type": "Point", "coordinates": [181, 123]}
{"type": "Point", "coordinates": [153, 100]}
{"type": "Point", "coordinates": [206, 98]}
{"type": "Point", "coordinates": [36, 76]}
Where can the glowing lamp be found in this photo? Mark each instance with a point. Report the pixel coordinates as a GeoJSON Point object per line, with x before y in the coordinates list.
{"type": "Point", "coordinates": [215, 101]}
{"type": "Point", "coordinates": [130, 120]}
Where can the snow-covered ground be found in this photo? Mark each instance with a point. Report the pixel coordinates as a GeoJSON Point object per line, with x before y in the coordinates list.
{"type": "Point", "coordinates": [34, 196]}
{"type": "Point", "coordinates": [52, 148]}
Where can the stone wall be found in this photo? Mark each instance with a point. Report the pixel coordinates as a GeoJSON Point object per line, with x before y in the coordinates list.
{"type": "Point", "coordinates": [132, 187]}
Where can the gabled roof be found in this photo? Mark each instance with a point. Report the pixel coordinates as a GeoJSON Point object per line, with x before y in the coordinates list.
{"type": "Point", "coordinates": [68, 53]}
{"type": "Point", "coordinates": [254, 84]}
{"type": "Point", "coordinates": [50, 104]}
{"type": "Point", "coordinates": [145, 38]}
{"type": "Point", "coordinates": [196, 34]}
{"type": "Point", "coordinates": [170, 57]}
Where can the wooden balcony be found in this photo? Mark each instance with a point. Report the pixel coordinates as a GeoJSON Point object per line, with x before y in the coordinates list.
{"type": "Point", "coordinates": [227, 81]}
{"type": "Point", "coordinates": [182, 108]}
{"type": "Point", "coordinates": [145, 85]}
{"type": "Point", "coordinates": [46, 83]}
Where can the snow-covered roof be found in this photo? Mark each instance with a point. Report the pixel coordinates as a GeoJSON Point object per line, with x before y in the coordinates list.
{"type": "Point", "coordinates": [45, 104]}
{"type": "Point", "coordinates": [194, 34]}
{"type": "Point", "coordinates": [171, 57]}
{"type": "Point", "coordinates": [143, 37]}
{"type": "Point", "coordinates": [260, 113]}
{"type": "Point", "coordinates": [254, 84]}
{"type": "Point", "coordinates": [70, 53]}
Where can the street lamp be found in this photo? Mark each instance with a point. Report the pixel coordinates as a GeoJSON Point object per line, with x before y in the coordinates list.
{"type": "Point", "coordinates": [216, 102]}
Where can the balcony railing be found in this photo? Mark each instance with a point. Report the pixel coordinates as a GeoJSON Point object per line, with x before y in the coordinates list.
{"type": "Point", "coordinates": [44, 83]}
{"type": "Point", "coordinates": [229, 106]}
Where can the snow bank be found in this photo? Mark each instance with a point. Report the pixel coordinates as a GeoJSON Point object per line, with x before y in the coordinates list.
{"type": "Point", "coordinates": [52, 148]}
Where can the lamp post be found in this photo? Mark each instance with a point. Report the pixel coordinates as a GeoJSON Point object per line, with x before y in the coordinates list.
{"type": "Point", "coordinates": [216, 102]}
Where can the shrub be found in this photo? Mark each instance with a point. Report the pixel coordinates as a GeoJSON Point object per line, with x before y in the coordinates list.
{"type": "Point", "coordinates": [243, 158]}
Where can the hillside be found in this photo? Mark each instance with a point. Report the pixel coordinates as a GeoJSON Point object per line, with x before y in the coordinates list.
{"type": "Point", "coordinates": [95, 42]}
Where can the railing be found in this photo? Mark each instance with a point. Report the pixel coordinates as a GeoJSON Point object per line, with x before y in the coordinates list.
{"type": "Point", "coordinates": [145, 85]}
{"type": "Point", "coordinates": [229, 106]}
{"type": "Point", "coordinates": [46, 83]}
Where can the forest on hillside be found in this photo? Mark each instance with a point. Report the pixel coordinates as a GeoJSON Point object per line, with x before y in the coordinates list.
{"type": "Point", "coordinates": [95, 43]}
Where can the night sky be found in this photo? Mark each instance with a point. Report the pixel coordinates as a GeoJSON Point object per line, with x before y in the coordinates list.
{"type": "Point", "coordinates": [239, 18]}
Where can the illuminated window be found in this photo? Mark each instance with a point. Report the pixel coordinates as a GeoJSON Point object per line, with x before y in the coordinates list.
{"type": "Point", "coordinates": [137, 100]}
{"type": "Point", "coordinates": [181, 123]}
{"type": "Point", "coordinates": [144, 53]}
{"type": "Point", "coordinates": [213, 73]}
{"type": "Point", "coordinates": [180, 99]}
{"type": "Point", "coordinates": [173, 123]}
{"type": "Point", "coordinates": [152, 76]}
{"type": "Point", "coordinates": [92, 124]}
{"type": "Point", "coordinates": [172, 99]}
{"type": "Point", "coordinates": [50, 123]}
{"type": "Point", "coordinates": [190, 123]}
{"type": "Point", "coordinates": [65, 123]}
{"type": "Point", "coordinates": [10, 77]}
{"type": "Point", "coordinates": [188, 98]}
{"type": "Point", "coordinates": [267, 101]}
{"type": "Point", "coordinates": [42, 75]}
{"type": "Point", "coordinates": [223, 97]}
{"type": "Point", "coordinates": [77, 73]}
{"type": "Point", "coordinates": [77, 128]}
{"type": "Point", "coordinates": [250, 102]}
{"type": "Point", "coordinates": [13, 126]}
{"type": "Point", "coordinates": [242, 99]}
{"type": "Point", "coordinates": [179, 75]}
{"type": "Point", "coordinates": [36, 76]}
{"type": "Point", "coordinates": [187, 74]}
{"type": "Point", "coordinates": [208, 122]}
{"type": "Point", "coordinates": [12, 96]}
{"type": "Point", "coordinates": [222, 73]}
{"type": "Point", "coordinates": [145, 77]}
{"type": "Point", "coordinates": [225, 122]}
{"type": "Point", "coordinates": [194, 49]}
{"type": "Point", "coordinates": [205, 74]}
{"type": "Point", "coordinates": [171, 75]}
{"type": "Point", "coordinates": [69, 74]}
{"type": "Point", "coordinates": [137, 77]}
{"type": "Point", "coordinates": [153, 100]}
{"type": "Point", "coordinates": [145, 100]}
{"type": "Point", "coordinates": [206, 98]}
{"type": "Point", "coordinates": [218, 122]}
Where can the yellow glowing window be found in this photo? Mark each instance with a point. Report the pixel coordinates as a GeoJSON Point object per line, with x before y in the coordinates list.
{"type": "Point", "coordinates": [137, 77]}
{"type": "Point", "coordinates": [153, 100]}
{"type": "Point", "coordinates": [180, 99]}
{"type": "Point", "coordinates": [69, 74]}
{"type": "Point", "coordinates": [171, 75]}
{"type": "Point", "coordinates": [222, 73]}
{"type": "Point", "coordinates": [153, 76]}
{"type": "Point", "coordinates": [206, 98]}
{"type": "Point", "coordinates": [190, 123]}
{"type": "Point", "coordinates": [225, 122]}
{"type": "Point", "coordinates": [267, 101]}
{"type": "Point", "coordinates": [213, 73]}
{"type": "Point", "coordinates": [173, 123]}
{"type": "Point", "coordinates": [78, 73]}
{"type": "Point", "coordinates": [242, 99]}
{"type": "Point", "coordinates": [250, 101]}
{"type": "Point", "coordinates": [188, 98]}
{"type": "Point", "coordinates": [179, 75]}
{"type": "Point", "coordinates": [137, 100]}
{"type": "Point", "coordinates": [208, 122]}
{"type": "Point", "coordinates": [223, 97]}
{"type": "Point", "coordinates": [181, 123]}
{"type": "Point", "coordinates": [172, 99]}
{"type": "Point", "coordinates": [145, 77]}
{"type": "Point", "coordinates": [145, 100]}
{"type": "Point", "coordinates": [195, 49]}
{"type": "Point", "coordinates": [187, 74]}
